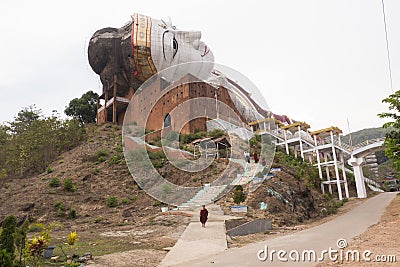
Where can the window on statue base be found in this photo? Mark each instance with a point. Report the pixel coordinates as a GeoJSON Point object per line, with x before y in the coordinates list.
{"type": "Point", "coordinates": [167, 121]}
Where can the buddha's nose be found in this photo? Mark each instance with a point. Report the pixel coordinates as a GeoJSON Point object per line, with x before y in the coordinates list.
{"type": "Point", "coordinates": [194, 35]}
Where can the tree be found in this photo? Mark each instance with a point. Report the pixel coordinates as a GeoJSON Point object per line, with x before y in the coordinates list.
{"type": "Point", "coordinates": [31, 142]}
{"type": "Point", "coordinates": [20, 239]}
{"type": "Point", "coordinates": [7, 235]}
{"type": "Point", "coordinates": [392, 138]}
{"type": "Point", "coordinates": [25, 118]}
{"type": "Point", "coordinates": [5, 259]}
{"type": "Point", "coordinates": [83, 109]}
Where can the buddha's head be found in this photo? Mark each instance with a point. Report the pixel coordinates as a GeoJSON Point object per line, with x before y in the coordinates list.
{"type": "Point", "coordinates": [146, 46]}
{"type": "Point", "coordinates": [158, 45]}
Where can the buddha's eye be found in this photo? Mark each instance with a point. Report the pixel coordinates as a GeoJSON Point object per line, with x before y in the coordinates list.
{"type": "Point", "coordinates": [175, 47]}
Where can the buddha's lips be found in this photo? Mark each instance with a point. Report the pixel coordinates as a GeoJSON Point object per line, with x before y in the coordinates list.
{"type": "Point", "coordinates": [206, 51]}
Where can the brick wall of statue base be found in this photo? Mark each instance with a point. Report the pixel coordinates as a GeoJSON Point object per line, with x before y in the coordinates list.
{"type": "Point", "coordinates": [154, 116]}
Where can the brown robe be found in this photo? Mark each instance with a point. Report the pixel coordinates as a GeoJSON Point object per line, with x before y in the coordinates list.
{"type": "Point", "coordinates": [203, 216]}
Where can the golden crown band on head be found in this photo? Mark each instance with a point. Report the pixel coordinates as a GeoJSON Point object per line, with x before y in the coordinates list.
{"type": "Point", "coordinates": [141, 47]}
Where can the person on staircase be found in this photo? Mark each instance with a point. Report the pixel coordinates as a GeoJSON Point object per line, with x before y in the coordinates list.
{"type": "Point", "coordinates": [255, 157]}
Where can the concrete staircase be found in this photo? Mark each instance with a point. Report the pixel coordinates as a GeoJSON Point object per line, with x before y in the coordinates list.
{"type": "Point", "coordinates": [251, 169]}
{"type": "Point", "coordinates": [205, 196]}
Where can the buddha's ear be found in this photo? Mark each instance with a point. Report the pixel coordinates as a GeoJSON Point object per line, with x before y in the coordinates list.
{"type": "Point", "coordinates": [100, 48]}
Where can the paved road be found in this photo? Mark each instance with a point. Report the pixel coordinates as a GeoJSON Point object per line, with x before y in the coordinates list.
{"type": "Point", "coordinates": [318, 238]}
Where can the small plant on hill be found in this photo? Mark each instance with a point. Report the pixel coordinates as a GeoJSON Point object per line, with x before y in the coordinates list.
{"type": "Point", "coordinates": [69, 185]}
{"type": "Point", "coordinates": [124, 201]}
{"type": "Point", "coordinates": [101, 155]}
{"type": "Point", "coordinates": [112, 202]}
{"type": "Point", "coordinates": [98, 219]}
{"type": "Point", "coordinates": [49, 170]}
{"type": "Point", "coordinates": [71, 213]}
{"type": "Point", "coordinates": [133, 198]}
{"type": "Point", "coordinates": [238, 195]}
{"type": "Point", "coordinates": [59, 206]}
{"type": "Point", "coordinates": [54, 182]}
{"type": "Point", "coordinates": [157, 158]}
{"type": "Point", "coordinates": [239, 188]}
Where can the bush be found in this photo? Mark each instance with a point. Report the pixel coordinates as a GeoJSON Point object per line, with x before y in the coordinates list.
{"type": "Point", "coordinates": [5, 258]}
{"type": "Point", "coordinates": [71, 213]}
{"type": "Point", "coordinates": [54, 182]}
{"type": "Point", "coordinates": [101, 155]}
{"type": "Point", "coordinates": [49, 170]}
{"type": "Point", "coordinates": [59, 206]}
{"type": "Point", "coordinates": [238, 197]}
{"type": "Point", "coordinates": [69, 185]}
{"type": "Point", "coordinates": [7, 236]}
{"type": "Point", "coordinates": [98, 219]}
{"type": "Point", "coordinates": [216, 133]}
{"type": "Point", "coordinates": [112, 202]}
{"type": "Point", "coordinates": [133, 198]}
{"type": "Point", "coordinates": [124, 201]}
{"type": "Point", "coordinates": [239, 188]}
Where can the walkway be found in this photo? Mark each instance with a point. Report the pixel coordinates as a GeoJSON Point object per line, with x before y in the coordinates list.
{"type": "Point", "coordinates": [198, 242]}
{"type": "Point", "coordinates": [317, 238]}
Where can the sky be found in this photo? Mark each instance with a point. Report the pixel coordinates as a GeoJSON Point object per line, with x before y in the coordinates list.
{"type": "Point", "coordinates": [322, 61]}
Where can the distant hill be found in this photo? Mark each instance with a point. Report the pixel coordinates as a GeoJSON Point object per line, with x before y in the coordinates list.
{"type": "Point", "coordinates": [365, 134]}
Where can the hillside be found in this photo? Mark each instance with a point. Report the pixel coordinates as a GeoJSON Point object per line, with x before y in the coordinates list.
{"type": "Point", "coordinates": [111, 213]}
{"type": "Point", "coordinates": [364, 134]}
{"type": "Point", "coordinates": [98, 172]}
{"type": "Point", "coordinates": [293, 195]}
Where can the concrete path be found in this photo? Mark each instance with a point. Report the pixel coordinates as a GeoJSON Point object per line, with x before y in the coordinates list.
{"type": "Point", "coordinates": [198, 242]}
{"type": "Point", "coordinates": [318, 238]}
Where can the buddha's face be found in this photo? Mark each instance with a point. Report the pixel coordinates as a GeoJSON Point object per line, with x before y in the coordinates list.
{"type": "Point", "coordinates": [168, 47]}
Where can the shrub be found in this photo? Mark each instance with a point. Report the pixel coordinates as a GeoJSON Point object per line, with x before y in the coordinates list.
{"type": "Point", "coordinates": [96, 171]}
{"type": "Point", "coordinates": [156, 203]}
{"type": "Point", "coordinates": [101, 155]}
{"type": "Point", "coordinates": [238, 197]}
{"type": "Point", "coordinates": [5, 258]}
{"type": "Point", "coordinates": [124, 201]}
{"type": "Point", "coordinates": [54, 182]}
{"type": "Point", "coordinates": [49, 170]}
{"type": "Point", "coordinates": [239, 188]}
{"type": "Point", "coordinates": [36, 227]}
{"type": "Point", "coordinates": [7, 236]}
{"type": "Point", "coordinates": [71, 213]}
{"type": "Point", "coordinates": [69, 185]}
{"type": "Point", "coordinates": [216, 133]}
{"type": "Point", "coordinates": [98, 219]}
{"type": "Point", "coordinates": [111, 202]}
{"type": "Point", "coordinates": [59, 205]}
{"type": "Point", "coordinates": [133, 198]}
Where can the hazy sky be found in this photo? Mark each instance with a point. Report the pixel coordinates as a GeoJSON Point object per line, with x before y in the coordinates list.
{"type": "Point", "coordinates": [315, 61]}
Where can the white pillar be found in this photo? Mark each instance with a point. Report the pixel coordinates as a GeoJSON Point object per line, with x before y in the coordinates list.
{"type": "Point", "coordinates": [328, 176]}
{"type": "Point", "coordinates": [300, 142]}
{"type": "Point", "coordinates": [286, 144]}
{"type": "Point", "coordinates": [358, 175]}
{"type": "Point", "coordinates": [318, 158]}
{"type": "Point", "coordinates": [339, 188]}
{"type": "Point", "coordinates": [346, 188]}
